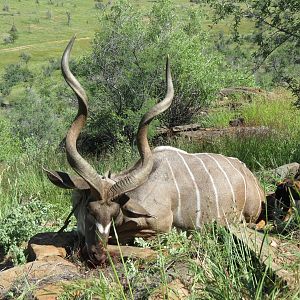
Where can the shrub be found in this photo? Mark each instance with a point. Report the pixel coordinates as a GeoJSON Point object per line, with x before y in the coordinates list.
{"type": "Point", "coordinates": [13, 29]}
{"type": "Point", "coordinates": [38, 119]}
{"type": "Point", "coordinates": [5, 88]}
{"type": "Point", "coordinates": [16, 73]}
{"type": "Point", "coordinates": [5, 7]}
{"type": "Point", "coordinates": [8, 39]}
{"type": "Point", "coordinates": [25, 57]}
{"type": "Point", "coordinates": [99, 4]}
{"type": "Point", "coordinates": [49, 14]}
{"type": "Point", "coordinates": [13, 75]}
{"type": "Point", "coordinates": [53, 65]}
{"type": "Point", "coordinates": [126, 67]}
{"type": "Point", "coordinates": [271, 37]}
{"type": "Point", "coordinates": [21, 223]}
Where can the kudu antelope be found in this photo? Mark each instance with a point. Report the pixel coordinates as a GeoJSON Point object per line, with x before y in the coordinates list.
{"type": "Point", "coordinates": [166, 187]}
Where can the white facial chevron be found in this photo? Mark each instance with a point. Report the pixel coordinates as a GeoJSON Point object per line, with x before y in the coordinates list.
{"type": "Point", "coordinates": [103, 229]}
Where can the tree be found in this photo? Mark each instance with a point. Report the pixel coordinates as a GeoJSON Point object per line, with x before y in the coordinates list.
{"type": "Point", "coordinates": [11, 36]}
{"type": "Point", "coordinates": [124, 74]}
{"type": "Point", "coordinates": [274, 35]}
{"type": "Point", "coordinates": [68, 18]}
{"type": "Point", "coordinates": [5, 7]}
{"type": "Point", "coordinates": [48, 14]}
{"type": "Point", "coordinates": [25, 57]}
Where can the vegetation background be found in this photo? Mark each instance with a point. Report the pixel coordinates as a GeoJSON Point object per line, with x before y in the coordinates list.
{"type": "Point", "coordinates": [119, 58]}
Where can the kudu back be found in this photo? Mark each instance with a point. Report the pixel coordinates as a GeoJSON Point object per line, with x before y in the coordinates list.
{"type": "Point", "coordinates": [166, 187]}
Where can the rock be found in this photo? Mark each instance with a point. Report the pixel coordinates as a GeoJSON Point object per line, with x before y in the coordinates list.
{"type": "Point", "coordinates": [287, 170]}
{"type": "Point", "coordinates": [132, 252]}
{"type": "Point", "coordinates": [51, 244]}
{"type": "Point", "coordinates": [291, 171]}
{"type": "Point", "coordinates": [237, 122]}
{"type": "Point", "coordinates": [39, 252]}
{"type": "Point", "coordinates": [38, 273]}
{"type": "Point", "coordinates": [49, 292]}
{"type": "Point", "coordinates": [62, 239]}
{"type": "Point", "coordinates": [175, 290]}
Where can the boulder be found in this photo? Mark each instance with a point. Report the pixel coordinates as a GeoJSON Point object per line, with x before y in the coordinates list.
{"type": "Point", "coordinates": [38, 273]}
{"type": "Point", "coordinates": [287, 170]}
{"type": "Point", "coordinates": [50, 291]}
{"type": "Point", "coordinates": [51, 244]}
{"type": "Point", "coordinates": [39, 252]}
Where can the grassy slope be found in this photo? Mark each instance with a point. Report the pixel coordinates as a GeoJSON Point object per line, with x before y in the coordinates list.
{"type": "Point", "coordinates": [44, 38]}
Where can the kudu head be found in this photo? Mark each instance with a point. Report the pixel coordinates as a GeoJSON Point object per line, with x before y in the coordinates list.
{"type": "Point", "coordinates": [104, 199]}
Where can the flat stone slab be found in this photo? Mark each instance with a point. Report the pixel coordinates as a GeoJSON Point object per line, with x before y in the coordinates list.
{"type": "Point", "coordinates": [63, 239]}
{"type": "Point", "coordinates": [282, 257]}
{"type": "Point", "coordinates": [49, 270]}
{"type": "Point", "coordinates": [39, 252]}
{"type": "Point", "coordinates": [132, 252]}
{"type": "Point", "coordinates": [175, 290]}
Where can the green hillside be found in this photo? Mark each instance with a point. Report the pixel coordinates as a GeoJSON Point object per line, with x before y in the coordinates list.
{"type": "Point", "coordinates": [43, 30]}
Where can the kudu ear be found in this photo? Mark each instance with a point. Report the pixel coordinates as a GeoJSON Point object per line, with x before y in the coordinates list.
{"type": "Point", "coordinates": [132, 209]}
{"type": "Point", "coordinates": [64, 180]}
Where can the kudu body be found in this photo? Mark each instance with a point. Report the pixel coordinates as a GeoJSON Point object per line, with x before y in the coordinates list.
{"type": "Point", "coordinates": [166, 187]}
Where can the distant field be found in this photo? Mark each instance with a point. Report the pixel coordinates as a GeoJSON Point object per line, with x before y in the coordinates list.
{"type": "Point", "coordinates": [43, 30]}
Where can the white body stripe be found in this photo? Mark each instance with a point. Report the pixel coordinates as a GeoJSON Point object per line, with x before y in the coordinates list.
{"type": "Point", "coordinates": [257, 189]}
{"type": "Point", "coordinates": [198, 205]}
{"type": "Point", "coordinates": [243, 177]}
{"type": "Point", "coordinates": [213, 184]}
{"type": "Point", "coordinates": [179, 215]}
{"type": "Point", "coordinates": [103, 229]}
{"type": "Point", "coordinates": [224, 173]}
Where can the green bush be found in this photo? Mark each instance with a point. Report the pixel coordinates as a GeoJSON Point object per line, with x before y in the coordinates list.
{"type": "Point", "coordinates": [39, 120]}
{"type": "Point", "coordinates": [16, 73]}
{"type": "Point", "coordinates": [13, 75]}
{"type": "Point", "coordinates": [21, 223]}
{"type": "Point", "coordinates": [125, 70]}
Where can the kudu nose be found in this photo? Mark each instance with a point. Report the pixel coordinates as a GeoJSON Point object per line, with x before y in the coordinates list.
{"type": "Point", "coordinates": [97, 255]}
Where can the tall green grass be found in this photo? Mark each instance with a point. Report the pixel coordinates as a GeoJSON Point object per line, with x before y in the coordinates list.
{"type": "Point", "coordinates": [277, 146]}
{"type": "Point", "coordinates": [210, 263]}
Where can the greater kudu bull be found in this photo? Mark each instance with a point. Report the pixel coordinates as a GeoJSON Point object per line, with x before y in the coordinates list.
{"type": "Point", "coordinates": [166, 187]}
